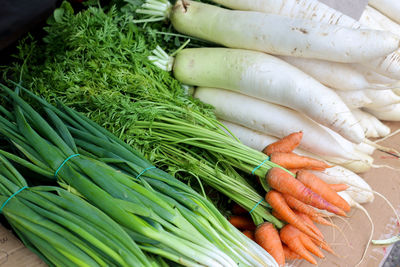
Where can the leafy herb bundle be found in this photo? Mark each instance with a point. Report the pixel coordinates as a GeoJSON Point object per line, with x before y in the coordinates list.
{"type": "Point", "coordinates": [96, 62]}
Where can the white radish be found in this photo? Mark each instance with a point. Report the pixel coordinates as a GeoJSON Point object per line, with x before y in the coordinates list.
{"type": "Point", "coordinates": [388, 65]}
{"type": "Point", "coordinates": [280, 35]}
{"type": "Point", "coordinates": [266, 77]}
{"type": "Point", "coordinates": [374, 77]}
{"type": "Point", "coordinates": [355, 98]}
{"type": "Point", "coordinates": [387, 113]}
{"type": "Point", "coordinates": [381, 98]}
{"type": "Point", "coordinates": [275, 120]}
{"type": "Point", "coordinates": [275, 34]}
{"type": "Point", "coordinates": [340, 76]}
{"type": "Point", "coordinates": [303, 9]}
{"type": "Point", "coordinates": [376, 20]}
{"type": "Point", "coordinates": [371, 125]}
{"type": "Point", "coordinates": [258, 140]}
{"type": "Point", "coordinates": [390, 8]}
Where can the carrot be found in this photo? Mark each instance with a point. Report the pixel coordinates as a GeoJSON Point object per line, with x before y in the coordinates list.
{"type": "Point", "coordinates": [320, 220]}
{"type": "Point", "coordinates": [249, 234]}
{"type": "Point", "coordinates": [294, 171]}
{"type": "Point", "coordinates": [242, 223]}
{"type": "Point", "coordinates": [278, 203]}
{"type": "Point", "coordinates": [309, 223]}
{"type": "Point", "coordinates": [286, 144]}
{"type": "Point", "coordinates": [317, 185]}
{"type": "Point", "coordinates": [339, 187]}
{"type": "Point", "coordinates": [290, 254]}
{"type": "Point", "coordinates": [283, 182]}
{"type": "Point", "coordinates": [310, 245]}
{"type": "Point", "coordinates": [290, 236]}
{"type": "Point", "coordinates": [299, 206]}
{"type": "Point", "coordinates": [323, 245]}
{"type": "Point", "coordinates": [290, 160]}
{"type": "Point", "coordinates": [238, 210]}
{"type": "Point", "coordinates": [268, 238]}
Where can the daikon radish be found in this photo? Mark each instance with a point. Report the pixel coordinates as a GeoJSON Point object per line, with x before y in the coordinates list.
{"type": "Point", "coordinates": [273, 119]}
{"type": "Point", "coordinates": [258, 140]}
{"type": "Point", "coordinates": [376, 20]}
{"type": "Point", "coordinates": [304, 9]}
{"type": "Point", "coordinates": [390, 8]}
{"type": "Point", "coordinates": [374, 77]}
{"type": "Point", "coordinates": [336, 75]}
{"type": "Point", "coordinates": [381, 98]}
{"type": "Point", "coordinates": [371, 125]}
{"type": "Point", "coordinates": [387, 113]}
{"type": "Point", "coordinates": [365, 148]}
{"type": "Point", "coordinates": [276, 34]}
{"type": "Point", "coordinates": [354, 98]}
{"type": "Point", "coordinates": [388, 65]}
{"type": "Point", "coordinates": [266, 77]}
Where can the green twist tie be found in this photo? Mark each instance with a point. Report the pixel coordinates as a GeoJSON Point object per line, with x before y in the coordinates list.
{"type": "Point", "coordinates": [258, 203]}
{"type": "Point", "coordinates": [256, 168]}
{"type": "Point", "coordinates": [65, 161]}
{"type": "Point", "coordinates": [145, 170]}
{"type": "Point", "coordinates": [13, 195]}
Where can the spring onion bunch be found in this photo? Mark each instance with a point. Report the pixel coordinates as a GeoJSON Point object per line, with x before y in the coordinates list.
{"type": "Point", "coordinates": [165, 216]}
{"type": "Point", "coordinates": [62, 228]}
{"type": "Point", "coordinates": [103, 71]}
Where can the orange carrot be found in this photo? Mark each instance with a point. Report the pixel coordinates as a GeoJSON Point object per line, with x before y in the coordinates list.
{"type": "Point", "coordinates": [290, 236]}
{"type": "Point", "coordinates": [294, 171]}
{"type": "Point", "coordinates": [278, 203]}
{"type": "Point", "coordinates": [268, 238]}
{"type": "Point", "coordinates": [291, 160]}
{"type": "Point", "coordinates": [289, 254]}
{"type": "Point", "coordinates": [310, 246]}
{"type": "Point", "coordinates": [242, 223]}
{"type": "Point", "coordinates": [249, 234]}
{"type": "Point", "coordinates": [339, 187]}
{"type": "Point", "coordinates": [320, 187]}
{"type": "Point", "coordinates": [320, 220]}
{"type": "Point", "coordinates": [305, 209]}
{"type": "Point", "coordinates": [323, 245]}
{"type": "Point", "coordinates": [309, 223]}
{"type": "Point", "coordinates": [283, 182]}
{"type": "Point", "coordinates": [300, 206]}
{"type": "Point", "coordinates": [238, 210]}
{"type": "Point", "coordinates": [286, 144]}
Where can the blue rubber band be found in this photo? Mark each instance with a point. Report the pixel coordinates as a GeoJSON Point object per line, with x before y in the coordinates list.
{"type": "Point", "coordinates": [256, 168]}
{"type": "Point", "coordinates": [256, 206]}
{"type": "Point", "coordinates": [65, 161]}
{"type": "Point", "coordinates": [145, 170]}
{"type": "Point", "coordinates": [13, 195]}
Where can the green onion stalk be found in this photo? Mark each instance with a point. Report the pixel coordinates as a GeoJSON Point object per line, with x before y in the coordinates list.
{"type": "Point", "coordinates": [103, 71]}
{"type": "Point", "coordinates": [165, 216]}
{"type": "Point", "coordinates": [62, 228]}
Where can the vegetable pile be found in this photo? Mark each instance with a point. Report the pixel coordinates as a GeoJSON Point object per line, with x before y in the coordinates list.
{"type": "Point", "coordinates": [317, 94]}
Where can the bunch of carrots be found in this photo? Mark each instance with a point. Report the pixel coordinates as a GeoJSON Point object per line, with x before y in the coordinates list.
{"type": "Point", "coordinates": [294, 196]}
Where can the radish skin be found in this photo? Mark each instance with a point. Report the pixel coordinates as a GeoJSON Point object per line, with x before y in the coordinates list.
{"type": "Point", "coordinates": [266, 77]}
{"type": "Point", "coordinates": [254, 31]}
{"type": "Point", "coordinates": [355, 98]}
{"type": "Point", "coordinates": [381, 98]}
{"type": "Point", "coordinates": [339, 76]}
{"type": "Point", "coordinates": [377, 21]}
{"type": "Point", "coordinates": [390, 8]}
{"type": "Point", "coordinates": [371, 125]}
{"type": "Point", "coordinates": [388, 113]}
